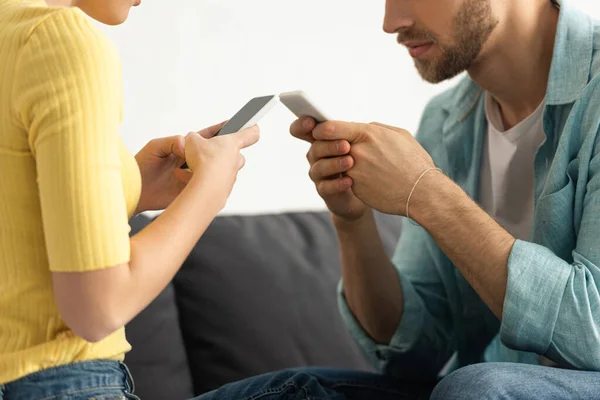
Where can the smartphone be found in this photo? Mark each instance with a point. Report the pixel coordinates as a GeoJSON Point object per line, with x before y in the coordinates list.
{"type": "Point", "coordinates": [247, 116]}
{"type": "Point", "coordinates": [301, 105]}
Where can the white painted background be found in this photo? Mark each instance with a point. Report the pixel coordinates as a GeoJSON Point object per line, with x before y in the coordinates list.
{"type": "Point", "coordinates": [192, 63]}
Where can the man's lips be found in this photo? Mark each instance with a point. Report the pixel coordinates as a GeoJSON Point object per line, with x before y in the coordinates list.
{"type": "Point", "coordinates": [417, 48]}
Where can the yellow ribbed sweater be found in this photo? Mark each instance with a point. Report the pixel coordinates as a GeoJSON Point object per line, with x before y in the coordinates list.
{"type": "Point", "coordinates": [67, 183]}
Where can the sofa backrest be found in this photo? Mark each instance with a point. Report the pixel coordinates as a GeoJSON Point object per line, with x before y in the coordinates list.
{"type": "Point", "coordinates": [257, 294]}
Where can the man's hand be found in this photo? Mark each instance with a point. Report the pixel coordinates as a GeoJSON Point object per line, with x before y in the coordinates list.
{"type": "Point", "coordinates": [372, 286]}
{"type": "Point", "coordinates": [387, 162]}
{"type": "Point", "coordinates": [329, 160]}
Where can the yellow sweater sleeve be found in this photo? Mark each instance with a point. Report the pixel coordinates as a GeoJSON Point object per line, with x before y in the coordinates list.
{"type": "Point", "coordinates": [68, 96]}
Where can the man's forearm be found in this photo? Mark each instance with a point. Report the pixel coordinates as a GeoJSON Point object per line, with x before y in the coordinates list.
{"type": "Point", "coordinates": [371, 284]}
{"type": "Point", "coordinates": [475, 243]}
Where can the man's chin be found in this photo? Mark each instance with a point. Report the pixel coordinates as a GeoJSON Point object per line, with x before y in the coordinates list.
{"type": "Point", "coordinates": [428, 72]}
{"type": "Point", "coordinates": [435, 74]}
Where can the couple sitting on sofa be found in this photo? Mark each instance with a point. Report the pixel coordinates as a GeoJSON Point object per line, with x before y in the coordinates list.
{"type": "Point", "coordinates": [506, 285]}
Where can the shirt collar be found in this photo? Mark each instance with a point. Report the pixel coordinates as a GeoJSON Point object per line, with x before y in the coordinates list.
{"type": "Point", "coordinates": [572, 59]}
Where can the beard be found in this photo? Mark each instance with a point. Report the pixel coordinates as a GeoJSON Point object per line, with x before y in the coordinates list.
{"type": "Point", "coordinates": [472, 26]}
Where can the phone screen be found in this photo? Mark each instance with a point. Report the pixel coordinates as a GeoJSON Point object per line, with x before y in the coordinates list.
{"type": "Point", "coordinates": [242, 117]}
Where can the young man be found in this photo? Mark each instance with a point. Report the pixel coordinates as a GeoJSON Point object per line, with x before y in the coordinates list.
{"type": "Point", "coordinates": [514, 279]}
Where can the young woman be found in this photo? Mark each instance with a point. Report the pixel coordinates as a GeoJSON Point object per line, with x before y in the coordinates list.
{"type": "Point", "coordinates": [70, 276]}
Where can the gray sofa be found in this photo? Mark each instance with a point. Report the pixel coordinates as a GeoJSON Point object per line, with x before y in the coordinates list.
{"type": "Point", "coordinates": [257, 294]}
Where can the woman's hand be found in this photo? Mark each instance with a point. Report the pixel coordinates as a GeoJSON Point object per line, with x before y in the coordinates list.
{"type": "Point", "coordinates": [162, 179]}
{"type": "Point", "coordinates": [216, 162]}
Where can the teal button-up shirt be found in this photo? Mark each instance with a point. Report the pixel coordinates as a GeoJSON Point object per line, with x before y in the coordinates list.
{"type": "Point", "coordinates": [552, 304]}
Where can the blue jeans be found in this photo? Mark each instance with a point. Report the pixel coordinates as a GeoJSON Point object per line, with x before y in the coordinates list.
{"type": "Point", "coordinates": [110, 380]}
{"type": "Point", "coordinates": [98, 380]}
{"type": "Point", "coordinates": [507, 381]}
{"type": "Point", "coordinates": [489, 381]}
{"type": "Point", "coordinates": [322, 384]}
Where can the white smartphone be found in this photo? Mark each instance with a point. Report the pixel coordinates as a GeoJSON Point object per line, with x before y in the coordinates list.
{"type": "Point", "coordinates": [302, 106]}
{"type": "Point", "coordinates": [247, 116]}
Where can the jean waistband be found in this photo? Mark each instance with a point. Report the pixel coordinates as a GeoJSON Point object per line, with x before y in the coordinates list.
{"type": "Point", "coordinates": [73, 377]}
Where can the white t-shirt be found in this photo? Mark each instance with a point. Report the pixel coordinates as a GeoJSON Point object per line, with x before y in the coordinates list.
{"type": "Point", "coordinates": [506, 186]}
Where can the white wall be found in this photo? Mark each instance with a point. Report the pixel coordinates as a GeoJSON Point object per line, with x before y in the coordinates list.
{"type": "Point", "coordinates": [192, 63]}
{"type": "Point", "coordinates": [592, 7]}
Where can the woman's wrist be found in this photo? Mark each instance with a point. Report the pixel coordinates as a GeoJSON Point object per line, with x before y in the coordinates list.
{"type": "Point", "coordinates": [200, 189]}
{"type": "Point", "coordinates": [206, 193]}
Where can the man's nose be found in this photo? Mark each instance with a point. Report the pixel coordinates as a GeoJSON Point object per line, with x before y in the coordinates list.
{"type": "Point", "coordinates": [397, 16]}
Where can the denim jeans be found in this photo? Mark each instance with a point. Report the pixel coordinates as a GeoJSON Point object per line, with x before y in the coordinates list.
{"type": "Point", "coordinates": [489, 381]}
{"type": "Point", "coordinates": [508, 381]}
{"type": "Point", "coordinates": [322, 384]}
{"type": "Point", "coordinates": [89, 380]}
{"type": "Point", "coordinates": [110, 380]}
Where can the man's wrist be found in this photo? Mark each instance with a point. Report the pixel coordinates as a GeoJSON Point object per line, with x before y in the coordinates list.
{"type": "Point", "coordinates": [434, 191]}
{"type": "Point", "coordinates": [348, 225]}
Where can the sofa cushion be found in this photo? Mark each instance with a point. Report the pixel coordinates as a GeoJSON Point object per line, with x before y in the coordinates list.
{"type": "Point", "coordinates": [258, 293]}
{"type": "Point", "coordinates": [158, 360]}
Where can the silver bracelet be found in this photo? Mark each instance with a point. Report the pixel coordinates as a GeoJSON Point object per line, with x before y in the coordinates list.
{"type": "Point", "coordinates": [413, 190]}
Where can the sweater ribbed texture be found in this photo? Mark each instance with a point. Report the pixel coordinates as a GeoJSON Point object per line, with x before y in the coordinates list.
{"type": "Point", "coordinates": [68, 185]}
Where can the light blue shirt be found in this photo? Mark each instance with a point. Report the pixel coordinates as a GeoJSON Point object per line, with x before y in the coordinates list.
{"type": "Point", "coordinates": [552, 304]}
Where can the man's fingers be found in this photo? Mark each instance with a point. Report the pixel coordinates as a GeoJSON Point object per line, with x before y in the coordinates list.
{"type": "Point", "coordinates": [324, 149]}
{"type": "Point", "coordinates": [302, 129]}
{"type": "Point", "coordinates": [211, 131]}
{"type": "Point", "coordinates": [247, 137]}
{"type": "Point", "coordinates": [327, 167]}
{"type": "Point", "coordinates": [338, 130]}
{"type": "Point", "coordinates": [334, 187]}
